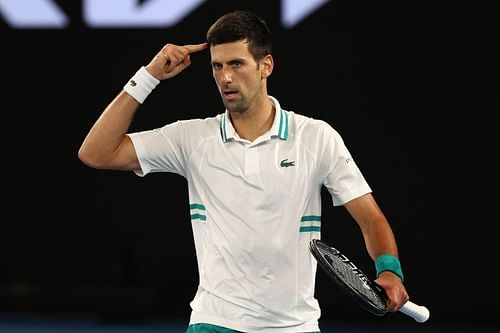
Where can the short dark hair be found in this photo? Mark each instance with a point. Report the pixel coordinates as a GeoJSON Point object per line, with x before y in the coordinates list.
{"type": "Point", "coordinates": [242, 25]}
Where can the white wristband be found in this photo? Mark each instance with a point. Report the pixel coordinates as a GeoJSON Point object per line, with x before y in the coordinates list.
{"type": "Point", "coordinates": [141, 85]}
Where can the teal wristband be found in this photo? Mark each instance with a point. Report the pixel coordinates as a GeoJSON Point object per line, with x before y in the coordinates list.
{"type": "Point", "coordinates": [388, 262]}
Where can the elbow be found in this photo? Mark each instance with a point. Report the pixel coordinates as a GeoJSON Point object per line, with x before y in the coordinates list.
{"type": "Point", "coordinates": [88, 158]}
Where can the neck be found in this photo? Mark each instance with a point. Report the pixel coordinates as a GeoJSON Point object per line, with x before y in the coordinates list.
{"type": "Point", "coordinates": [257, 121]}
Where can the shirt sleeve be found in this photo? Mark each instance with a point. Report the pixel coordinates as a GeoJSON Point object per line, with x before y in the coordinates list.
{"type": "Point", "coordinates": [344, 179]}
{"type": "Point", "coordinates": [160, 150]}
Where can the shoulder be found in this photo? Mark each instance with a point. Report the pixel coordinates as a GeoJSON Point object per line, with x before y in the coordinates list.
{"type": "Point", "coordinates": [192, 131]}
{"type": "Point", "coordinates": [203, 126]}
{"type": "Point", "coordinates": [307, 128]}
{"type": "Point", "coordinates": [200, 123]}
{"type": "Point", "coordinates": [311, 127]}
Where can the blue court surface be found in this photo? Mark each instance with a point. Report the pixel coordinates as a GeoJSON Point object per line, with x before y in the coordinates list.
{"type": "Point", "coordinates": [46, 324]}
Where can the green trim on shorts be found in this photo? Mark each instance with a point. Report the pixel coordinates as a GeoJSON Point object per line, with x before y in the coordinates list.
{"type": "Point", "coordinates": [209, 328]}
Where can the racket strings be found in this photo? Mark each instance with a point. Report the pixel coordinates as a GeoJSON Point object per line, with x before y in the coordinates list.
{"type": "Point", "coordinates": [352, 276]}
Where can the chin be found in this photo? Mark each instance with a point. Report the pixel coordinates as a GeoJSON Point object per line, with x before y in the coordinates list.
{"type": "Point", "coordinates": [232, 106]}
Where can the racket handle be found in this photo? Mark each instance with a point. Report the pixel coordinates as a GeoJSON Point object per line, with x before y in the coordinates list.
{"type": "Point", "coordinates": [418, 312]}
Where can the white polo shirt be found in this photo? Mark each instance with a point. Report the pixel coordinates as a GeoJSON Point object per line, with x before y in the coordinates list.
{"type": "Point", "coordinates": [254, 208]}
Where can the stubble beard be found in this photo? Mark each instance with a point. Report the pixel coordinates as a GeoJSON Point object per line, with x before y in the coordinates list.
{"type": "Point", "coordinates": [240, 106]}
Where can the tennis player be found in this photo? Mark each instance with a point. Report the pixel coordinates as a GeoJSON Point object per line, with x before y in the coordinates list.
{"type": "Point", "coordinates": [254, 173]}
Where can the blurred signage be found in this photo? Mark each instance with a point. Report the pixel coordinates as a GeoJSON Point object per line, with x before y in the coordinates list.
{"type": "Point", "coordinates": [43, 14]}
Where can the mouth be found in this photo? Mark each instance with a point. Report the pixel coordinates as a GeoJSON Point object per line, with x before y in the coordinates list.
{"type": "Point", "coordinates": [229, 94]}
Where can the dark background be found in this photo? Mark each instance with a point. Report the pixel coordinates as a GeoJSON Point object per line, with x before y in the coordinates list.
{"type": "Point", "coordinates": [412, 86]}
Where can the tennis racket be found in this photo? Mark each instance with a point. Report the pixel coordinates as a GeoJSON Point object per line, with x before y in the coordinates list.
{"type": "Point", "coordinates": [362, 290]}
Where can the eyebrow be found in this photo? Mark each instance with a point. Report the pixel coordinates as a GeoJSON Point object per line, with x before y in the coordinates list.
{"type": "Point", "coordinates": [232, 61]}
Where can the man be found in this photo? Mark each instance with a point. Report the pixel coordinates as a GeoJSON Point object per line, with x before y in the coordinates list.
{"type": "Point", "coordinates": [254, 174]}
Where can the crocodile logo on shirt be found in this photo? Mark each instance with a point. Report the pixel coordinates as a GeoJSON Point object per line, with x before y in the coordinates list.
{"type": "Point", "coordinates": [286, 164]}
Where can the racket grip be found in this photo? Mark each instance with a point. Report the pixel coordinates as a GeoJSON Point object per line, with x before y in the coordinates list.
{"type": "Point", "coordinates": [418, 312]}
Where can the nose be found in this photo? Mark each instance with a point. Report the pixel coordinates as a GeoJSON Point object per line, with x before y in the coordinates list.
{"type": "Point", "coordinates": [226, 75]}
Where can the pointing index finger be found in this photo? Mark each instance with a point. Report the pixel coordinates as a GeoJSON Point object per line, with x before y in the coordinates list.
{"type": "Point", "coordinates": [192, 48]}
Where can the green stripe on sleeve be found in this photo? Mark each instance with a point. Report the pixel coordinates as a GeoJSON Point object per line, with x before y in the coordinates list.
{"type": "Point", "coordinates": [197, 206]}
{"type": "Point", "coordinates": [310, 218]}
{"type": "Point", "coordinates": [198, 217]}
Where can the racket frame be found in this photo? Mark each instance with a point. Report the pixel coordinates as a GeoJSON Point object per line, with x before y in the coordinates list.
{"type": "Point", "coordinates": [362, 300]}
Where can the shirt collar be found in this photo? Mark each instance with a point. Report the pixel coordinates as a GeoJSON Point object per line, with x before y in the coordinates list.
{"type": "Point", "coordinates": [278, 129]}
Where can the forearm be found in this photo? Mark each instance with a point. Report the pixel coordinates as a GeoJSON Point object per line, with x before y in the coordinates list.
{"type": "Point", "coordinates": [377, 233]}
{"type": "Point", "coordinates": [379, 238]}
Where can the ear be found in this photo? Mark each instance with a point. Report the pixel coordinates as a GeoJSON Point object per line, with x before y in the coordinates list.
{"type": "Point", "coordinates": [267, 65]}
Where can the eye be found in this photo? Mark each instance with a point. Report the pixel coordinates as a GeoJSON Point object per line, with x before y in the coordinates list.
{"type": "Point", "coordinates": [236, 64]}
{"type": "Point", "coordinates": [216, 66]}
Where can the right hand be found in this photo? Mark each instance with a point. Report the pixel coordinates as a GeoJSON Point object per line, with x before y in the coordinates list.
{"type": "Point", "coordinates": [397, 296]}
{"type": "Point", "coordinates": [172, 59]}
